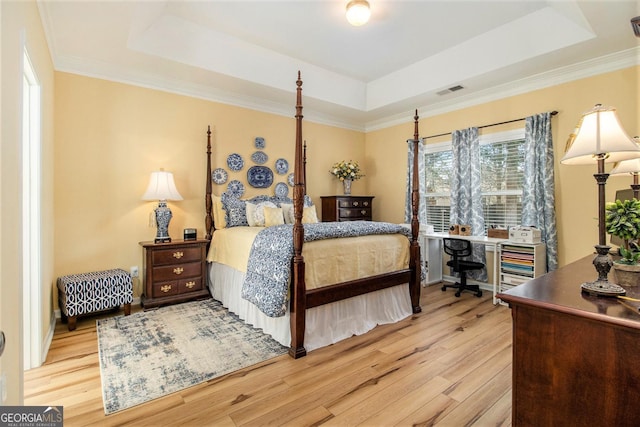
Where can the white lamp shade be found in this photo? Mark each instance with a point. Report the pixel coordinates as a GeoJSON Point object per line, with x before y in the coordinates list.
{"type": "Point", "coordinates": [599, 133]}
{"type": "Point", "coordinates": [161, 187]}
{"type": "Point", "coordinates": [358, 12]}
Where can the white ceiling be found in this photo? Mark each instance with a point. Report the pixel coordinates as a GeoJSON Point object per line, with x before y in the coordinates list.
{"type": "Point", "coordinates": [248, 53]}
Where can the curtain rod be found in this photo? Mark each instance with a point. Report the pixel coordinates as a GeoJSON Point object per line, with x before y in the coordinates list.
{"type": "Point", "coordinates": [553, 113]}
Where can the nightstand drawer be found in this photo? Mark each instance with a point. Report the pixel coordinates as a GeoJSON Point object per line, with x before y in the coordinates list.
{"type": "Point", "coordinates": [176, 287]}
{"type": "Point", "coordinates": [164, 289]}
{"type": "Point", "coordinates": [175, 255]}
{"type": "Point", "coordinates": [347, 208]}
{"type": "Point", "coordinates": [177, 271]}
{"type": "Point", "coordinates": [354, 203]}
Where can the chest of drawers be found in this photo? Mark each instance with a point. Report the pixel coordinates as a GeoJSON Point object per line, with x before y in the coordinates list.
{"type": "Point", "coordinates": [174, 272]}
{"type": "Point", "coordinates": [347, 208]}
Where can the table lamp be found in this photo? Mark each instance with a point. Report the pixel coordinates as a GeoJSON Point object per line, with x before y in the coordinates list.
{"type": "Point", "coordinates": [631, 167]}
{"type": "Point", "coordinates": [162, 188]}
{"type": "Point", "coordinates": [599, 137]}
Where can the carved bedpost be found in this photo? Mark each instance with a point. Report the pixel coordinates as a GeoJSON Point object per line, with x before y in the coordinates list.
{"type": "Point", "coordinates": [208, 221]}
{"type": "Point", "coordinates": [414, 254]}
{"type": "Point", "coordinates": [298, 292]}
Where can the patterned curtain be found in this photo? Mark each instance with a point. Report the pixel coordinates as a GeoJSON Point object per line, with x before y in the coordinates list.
{"type": "Point", "coordinates": [466, 191]}
{"type": "Point", "coordinates": [538, 189]}
{"type": "Point", "coordinates": [422, 209]}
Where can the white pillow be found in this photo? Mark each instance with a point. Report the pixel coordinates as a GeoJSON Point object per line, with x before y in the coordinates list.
{"type": "Point", "coordinates": [309, 215]}
{"type": "Point", "coordinates": [287, 211]}
{"type": "Point", "coordinates": [255, 213]}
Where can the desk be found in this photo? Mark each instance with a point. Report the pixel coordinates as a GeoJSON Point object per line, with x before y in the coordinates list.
{"type": "Point", "coordinates": [575, 356]}
{"type": "Point", "coordinates": [435, 256]}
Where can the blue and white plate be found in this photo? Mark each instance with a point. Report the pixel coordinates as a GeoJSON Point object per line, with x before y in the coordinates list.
{"type": "Point", "coordinates": [235, 162]}
{"type": "Point", "coordinates": [282, 189]}
{"type": "Point", "coordinates": [260, 177]}
{"type": "Point", "coordinates": [259, 142]}
{"type": "Point", "coordinates": [219, 176]}
{"type": "Point", "coordinates": [282, 166]}
{"type": "Point", "coordinates": [236, 188]}
{"type": "Point", "coordinates": [260, 157]}
{"type": "Point", "coordinates": [290, 179]}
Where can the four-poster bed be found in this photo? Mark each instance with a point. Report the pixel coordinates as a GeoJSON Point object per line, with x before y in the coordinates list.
{"type": "Point", "coordinates": [317, 314]}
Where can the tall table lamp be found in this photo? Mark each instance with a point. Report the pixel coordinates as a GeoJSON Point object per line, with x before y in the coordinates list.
{"type": "Point", "coordinates": [162, 188]}
{"type": "Point", "coordinates": [631, 167]}
{"type": "Point", "coordinates": [599, 137]}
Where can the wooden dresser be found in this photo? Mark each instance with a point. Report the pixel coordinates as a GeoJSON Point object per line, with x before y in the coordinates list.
{"type": "Point", "coordinates": [575, 356]}
{"type": "Point", "coordinates": [174, 272]}
{"type": "Point", "coordinates": [346, 208]}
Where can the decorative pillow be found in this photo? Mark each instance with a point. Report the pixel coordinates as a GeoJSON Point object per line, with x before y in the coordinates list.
{"type": "Point", "coordinates": [287, 211]}
{"type": "Point", "coordinates": [273, 216]}
{"type": "Point", "coordinates": [236, 211]}
{"type": "Point", "coordinates": [219, 220]}
{"type": "Point", "coordinates": [255, 213]}
{"type": "Point", "coordinates": [309, 215]}
{"type": "Point", "coordinates": [308, 212]}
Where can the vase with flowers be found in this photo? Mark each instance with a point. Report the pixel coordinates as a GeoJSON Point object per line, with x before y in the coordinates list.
{"type": "Point", "coordinates": [347, 172]}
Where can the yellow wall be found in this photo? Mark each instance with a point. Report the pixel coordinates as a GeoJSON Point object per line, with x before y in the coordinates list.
{"type": "Point", "coordinates": [21, 27]}
{"type": "Point", "coordinates": [576, 190]}
{"type": "Point", "coordinates": [111, 136]}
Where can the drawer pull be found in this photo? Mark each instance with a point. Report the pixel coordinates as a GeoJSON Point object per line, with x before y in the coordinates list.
{"type": "Point", "coordinates": [363, 212]}
{"type": "Point", "coordinates": [165, 288]}
{"type": "Point", "coordinates": [365, 204]}
{"type": "Point", "coordinates": [178, 255]}
{"type": "Point", "coordinates": [178, 270]}
{"type": "Point", "coordinates": [356, 203]}
{"type": "Point", "coordinates": [190, 284]}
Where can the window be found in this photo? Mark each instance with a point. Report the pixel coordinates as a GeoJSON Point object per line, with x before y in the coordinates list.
{"type": "Point", "coordinates": [501, 165]}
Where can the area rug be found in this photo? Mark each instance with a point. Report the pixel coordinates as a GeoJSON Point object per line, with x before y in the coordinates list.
{"type": "Point", "coordinates": [150, 354]}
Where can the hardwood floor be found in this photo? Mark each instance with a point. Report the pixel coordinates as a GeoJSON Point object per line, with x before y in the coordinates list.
{"type": "Point", "coordinates": [447, 366]}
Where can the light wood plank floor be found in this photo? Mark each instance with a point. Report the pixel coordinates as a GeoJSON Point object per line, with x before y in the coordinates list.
{"type": "Point", "coordinates": [447, 366]}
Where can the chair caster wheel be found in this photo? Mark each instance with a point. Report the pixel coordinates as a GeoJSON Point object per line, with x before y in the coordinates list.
{"type": "Point", "coordinates": [479, 294]}
{"type": "Point", "coordinates": [444, 288]}
{"type": "Point", "coordinates": [458, 294]}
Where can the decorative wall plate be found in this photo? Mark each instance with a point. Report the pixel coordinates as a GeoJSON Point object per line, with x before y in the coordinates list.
{"type": "Point", "coordinates": [282, 166]}
{"type": "Point", "coordinates": [282, 189]}
{"type": "Point", "coordinates": [290, 179]}
{"type": "Point", "coordinates": [219, 176]}
{"type": "Point", "coordinates": [235, 162]}
{"type": "Point", "coordinates": [259, 142]}
{"type": "Point", "coordinates": [236, 188]}
{"type": "Point", "coordinates": [260, 157]}
{"type": "Point", "coordinates": [260, 176]}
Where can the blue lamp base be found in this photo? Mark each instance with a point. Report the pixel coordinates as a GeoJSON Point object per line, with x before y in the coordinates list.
{"type": "Point", "coordinates": [163, 217]}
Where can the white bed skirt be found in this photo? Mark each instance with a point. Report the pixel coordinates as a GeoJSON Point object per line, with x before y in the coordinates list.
{"type": "Point", "coordinates": [326, 324]}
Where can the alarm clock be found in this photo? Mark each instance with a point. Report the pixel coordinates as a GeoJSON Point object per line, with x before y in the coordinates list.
{"type": "Point", "coordinates": [190, 234]}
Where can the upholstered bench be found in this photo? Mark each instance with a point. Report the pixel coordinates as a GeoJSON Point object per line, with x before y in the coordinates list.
{"type": "Point", "coordinates": [86, 293]}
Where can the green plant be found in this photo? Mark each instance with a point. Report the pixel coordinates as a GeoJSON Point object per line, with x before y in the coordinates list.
{"type": "Point", "coordinates": [623, 221]}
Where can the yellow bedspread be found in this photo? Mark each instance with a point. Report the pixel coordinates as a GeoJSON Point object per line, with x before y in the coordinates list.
{"type": "Point", "coordinates": [326, 261]}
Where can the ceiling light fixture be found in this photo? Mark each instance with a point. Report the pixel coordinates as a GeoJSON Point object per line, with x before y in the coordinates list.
{"type": "Point", "coordinates": [358, 12]}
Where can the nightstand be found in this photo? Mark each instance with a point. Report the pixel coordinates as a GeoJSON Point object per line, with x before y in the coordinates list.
{"type": "Point", "coordinates": [174, 272]}
{"type": "Point", "coordinates": [347, 208]}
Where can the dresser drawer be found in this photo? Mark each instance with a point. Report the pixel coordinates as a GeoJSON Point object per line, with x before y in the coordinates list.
{"type": "Point", "coordinates": [175, 255]}
{"type": "Point", "coordinates": [177, 271]}
{"type": "Point", "coordinates": [353, 214]}
{"type": "Point", "coordinates": [354, 203]}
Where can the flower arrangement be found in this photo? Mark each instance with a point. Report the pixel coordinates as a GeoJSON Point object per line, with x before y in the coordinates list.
{"type": "Point", "coordinates": [346, 170]}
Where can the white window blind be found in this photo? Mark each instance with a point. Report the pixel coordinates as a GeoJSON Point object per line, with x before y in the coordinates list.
{"type": "Point", "coordinates": [501, 161]}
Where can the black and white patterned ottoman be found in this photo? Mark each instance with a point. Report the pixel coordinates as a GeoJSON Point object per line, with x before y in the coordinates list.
{"type": "Point", "coordinates": [86, 293]}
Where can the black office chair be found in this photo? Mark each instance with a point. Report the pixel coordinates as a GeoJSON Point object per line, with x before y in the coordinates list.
{"type": "Point", "coordinates": [460, 248]}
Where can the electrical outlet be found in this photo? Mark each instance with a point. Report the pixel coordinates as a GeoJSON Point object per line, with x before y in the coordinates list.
{"type": "Point", "coordinates": [3, 388]}
{"type": "Point", "coordinates": [134, 271]}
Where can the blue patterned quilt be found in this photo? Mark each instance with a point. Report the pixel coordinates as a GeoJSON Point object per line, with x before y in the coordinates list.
{"type": "Point", "coordinates": [266, 284]}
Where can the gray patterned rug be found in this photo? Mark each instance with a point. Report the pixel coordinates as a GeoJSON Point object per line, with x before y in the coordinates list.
{"type": "Point", "coordinates": [154, 353]}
